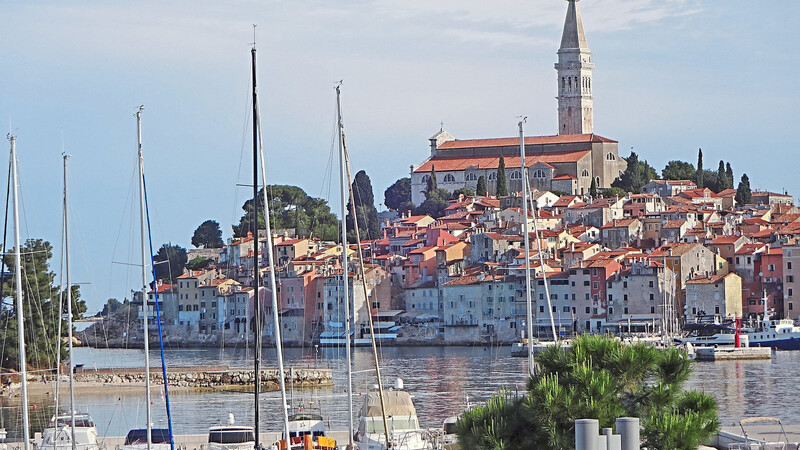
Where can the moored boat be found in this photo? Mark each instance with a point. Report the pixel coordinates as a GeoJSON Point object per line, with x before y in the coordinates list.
{"type": "Point", "coordinates": [58, 434]}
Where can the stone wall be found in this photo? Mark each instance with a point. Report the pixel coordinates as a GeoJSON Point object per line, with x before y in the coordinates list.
{"type": "Point", "coordinates": [213, 378]}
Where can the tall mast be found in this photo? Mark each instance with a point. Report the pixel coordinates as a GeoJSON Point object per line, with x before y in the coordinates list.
{"type": "Point", "coordinates": [69, 308]}
{"type": "Point", "coordinates": [143, 217]}
{"type": "Point", "coordinates": [23, 370]}
{"type": "Point", "coordinates": [528, 301]}
{"type": "Point", "coordinates": [526, 187]}
{"type": "Point", "coordinates": [345, 279]}
{"type": "Point", "coordinates": [271, 262]}
{"type": "Point", "coordinates": [256, 299]}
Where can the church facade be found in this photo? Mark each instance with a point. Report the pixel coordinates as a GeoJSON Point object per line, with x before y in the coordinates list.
{"type": "Point", "coordinates": [567, 162]}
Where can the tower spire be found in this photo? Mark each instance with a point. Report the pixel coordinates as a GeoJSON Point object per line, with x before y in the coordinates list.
{"type": "Point", "coordinates": [574, 67]}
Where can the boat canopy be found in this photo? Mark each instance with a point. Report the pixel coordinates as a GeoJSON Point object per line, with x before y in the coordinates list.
{"type": "Point", "coordinates": [231, 435]}
{"type": "Point", "coordinates": [139, 436]}
{"type": "Point", "coordinates": [398, 403]}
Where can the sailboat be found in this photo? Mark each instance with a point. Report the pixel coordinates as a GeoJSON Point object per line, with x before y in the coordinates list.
{"type": "Point", "coordinates": [147, 438]}
{"type": "Point", "coordinates": [70, 431]}
{"type": "Point", "coordinates": [388, 420]}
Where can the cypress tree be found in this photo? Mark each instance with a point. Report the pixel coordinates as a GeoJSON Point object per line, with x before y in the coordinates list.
{"type": "Point", "coordinates": [502, 187]}
{"type": "Point", "coordinates": [593, 188]}
{"type": "Point", "coordinates": [729, 175]}
{"type": "Point", "coordinates": [699, 180]}
{"type": "Point", "coordinates": [743, 193]}
{"type": "Point", "coordinates": [722, 177]}
{"type": "Point", "coordinates": [432, 185]}
{"type": "Point", "coordinates": [480, 190]}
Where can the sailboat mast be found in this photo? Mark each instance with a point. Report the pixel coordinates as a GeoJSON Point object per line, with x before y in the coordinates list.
{"type": "Point", "coordinates": [143, 217]}
{"type": "Point", "coordinates": [345, 278]}
{"type": "Point", "coordinates": [69, 308]}
{"type": "Point", "coordinates": [272, 283]}
{"type": "Point", "coordinates": [528, 300]}
{"type": "Point", "coordinates": [256, 299]}
{"type": "Point", "coordinates": [23, 370]}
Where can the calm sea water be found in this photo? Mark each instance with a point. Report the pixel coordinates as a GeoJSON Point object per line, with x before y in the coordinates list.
{"type": "Point", "coordinates": [441, 379]}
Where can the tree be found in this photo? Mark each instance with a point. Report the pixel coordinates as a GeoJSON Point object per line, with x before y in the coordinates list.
{"type": "Point", "coordinates": [743, 194]}
{"type": "Point", "coordinates": [613, 192]}
{"type": "Point", "coordinates": [596, 378]}
{"type": "Point", "coordinates": [637, 174]}
{"type": "Point", "coordinates": [41, 314]}
{"type": "Point", "coordinates": [502, 188]}
{"type": "Point", "coordinates": [678, 170]}
{"type": "Point", "coordinates": [593, 188]}
{"type": "Point", "coordinates": [729, 176]}
{"type": "Point", "coordinates": [722, 177]}
{"type": "Point", "coordinates": [369, 225]}
{"type": "Point", "coordinates": [208, 235]}
{"type": "Point", "coordinates": [173, 259]}
{"type": "Point", "coordinates": [198, 263]}
{"type": "Point", "coordinates": [432, 184]}
{"type": "Point", "coordinates": [435, 203]}
{"type": "Point", "coordinates": [466, 192]}
{"type": "Point", "coordinates": [111, 306]}
{"type": "Point", "coordinates": [699, 180]}
{"type": "Point", "coordinates": [291, 207]}
{"type": "Point", "coordinates": [397, 194]}
{"type": "Point", "coordinates": [481, 190]}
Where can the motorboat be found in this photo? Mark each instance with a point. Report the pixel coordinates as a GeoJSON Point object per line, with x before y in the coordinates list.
{"type": "Point", "coordinates": [58, 434]}
{"type": "Point", "coordinates": [308, 428]}
{"type": "Point", "coordinates": [763, 438]}
{"type": "Point", "coordinates": [136, 439]}
{"type": "Point", "coordinates": [405, 432]}
{"type": "Point", "coordinates": [231, 437]}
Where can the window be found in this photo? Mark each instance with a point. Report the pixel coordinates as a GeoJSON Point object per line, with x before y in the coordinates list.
{"type": "Point", "coordinates": [611, 157]}
{"type": "Point", "coordinates": [426, 178]}
{"type": "Point", "coordinates": [541, 309]}
{"type": "Point", "coordinates": [586, 283]}
{"type": "Point", "coordinates": [652, 297]}
{"type": "Point", "coordinates": [789, 265]}
{"type": "Point", "coordinates": [585, 173]}
{"type": "Point", "coordinates": [789, 292]}
{"type": "Point", "coordinates": [539, 173]}
{"type": "Point", "coordinates": [492, 176]}
{"type": "Point", "coordinates": [651, 283]}
{"type": "Point", "coordinates": [625, 297]}
{"type": "Point", "coordinates": [449, 178]}
{"type": "Point", "coordinates": [611, 310]}
{"type": "Point", "coordinates": [594, 284]}
{"type": "Point", "coordinates": [516, 175]}
{"type": "Point", "coordinates": [789, 278]}
{"type": "Point", "coordinates": [625, 284]}
{"type": "Point", "coordinates": [588, 310]}
{"type": "Point", "coordinates": [566, 309]}
{"type": "Point", "coordinates": [625, 311]}
{"type": "Point", "coordinates": [716, 310]}
{"type": "Point", "coordinates": [771, 267]}
{"type": "Point", "coordinates": [587, 296]}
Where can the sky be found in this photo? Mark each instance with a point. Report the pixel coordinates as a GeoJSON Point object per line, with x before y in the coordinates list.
{"type": "Point", "coordinates": [671, 76]}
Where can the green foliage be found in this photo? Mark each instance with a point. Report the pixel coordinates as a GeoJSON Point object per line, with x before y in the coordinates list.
{"type": "Point", "coordinates": [466, 192]}
{"type": "Point", "coordinates": [597, 378]}
{"type": "Point", "coordinates": [480, 189]}
{"type": "Point", "coordinates": [432, 183]}
{"type": "Point", "coordinates": [613, 192]}
{"type": "Point", "coordinates": [678, 170]}
{"type": "Point", "coordinates": [435, 203]}
{"type": "Point", "coordinates": [111, 306]}
{"type": "Point", "coordinates": [699, 181]}
{"type": "Point", "coordinates": [559, 193]}
{"type": "Point", "coordinates": [637, 174]}
{"type": "Point", "coordinates": [743, 194]}
{"type": "Point", "coordinates": [502, 182]}
{"type": "Point", "coordinates": [369, 225]}
{"type": "Point", "coordinates": [729, 175]}
{"type": "Point", "coordinates": [593, 188]}
{"type": "Point", "coordinates": [208, 235]}
{"type": "Point", "coordinates": [198, 263]}
{"type": "Point", "coordinates": [41, 314]}
{"type": "Point", "coordinates": [173, 259]}
{"type": "Point", "coordinates": [398, 194]}
{"type": "Point", "coordinates": [291, 207]}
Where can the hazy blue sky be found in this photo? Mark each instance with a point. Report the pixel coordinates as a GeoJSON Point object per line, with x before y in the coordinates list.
{"type": "Point", "coordinates": [670, 76]}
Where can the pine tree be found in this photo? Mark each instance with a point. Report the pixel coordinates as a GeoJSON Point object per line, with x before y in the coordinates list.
{"type": "Point", "coordinates": [729, 176]}
{"type": "Point", "coordinates": [432, 185]}
{"type": "Point", "coordinates": [743, 193]}
{"type": "Point", "coordinates": [502, 187]}
{"type": "Point", "coordinates": [699, 180]}
{"type": "Point", "coordinates": [480, 190]}
{"type": "Point", "coordinates": [593, 188]}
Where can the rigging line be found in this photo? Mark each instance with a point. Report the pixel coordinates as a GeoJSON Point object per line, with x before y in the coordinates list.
{"type": "Point", "coordinates": [158, 314]}
{"type": "Point", "coordinates": [3, 260]}
{"type": "Point", "coordinates": [241, 149]}
{"type": "Point", "coordinates": [119, 232]}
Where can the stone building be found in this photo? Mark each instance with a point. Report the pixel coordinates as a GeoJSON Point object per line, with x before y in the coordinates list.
{"type": "Point", "coordinates": [717, 295]}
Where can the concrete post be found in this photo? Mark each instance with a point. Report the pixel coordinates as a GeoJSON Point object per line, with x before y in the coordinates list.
{"type": "Point", "coordinates": [628, 429]}
{"type": "Point", "coordinates": [587, 434]}
{"type": "Point", "coordinates": [614, 442]}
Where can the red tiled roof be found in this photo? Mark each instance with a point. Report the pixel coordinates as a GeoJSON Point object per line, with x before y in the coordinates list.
{"type": "Point", "coordinates": [673, 224]}
{"type": "Point", "coordinates": [722, 240]}
{"type": "Point", "coordinates": [620, 223]}
{"type": "Point", "coordinates": [421, 250]}
{"type": "Point", "coordinates": [445, 164]}
{"type": "Point", "coordinates": [565, 177]}
{"type": "Point", "coordinates": [530, 140]}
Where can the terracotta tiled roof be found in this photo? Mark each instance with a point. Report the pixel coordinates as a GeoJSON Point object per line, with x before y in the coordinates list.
{"type": "Point", "coordinates": [565, 177]}
{"type": "Point", "coordinates": [725, 240]}
{"type": "Point", "coordinates": [530, 140]}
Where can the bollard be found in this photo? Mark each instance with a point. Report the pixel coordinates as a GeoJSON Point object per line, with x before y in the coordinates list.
{"type": "Point", "coordinates": [601, 443]}
{"type": "Point", "coordinates": [614, 442]}
{"type": "Point", "coordinates": [607, 432]}
{"type": "Point", "coordinates": [628, 429]}
{"type": "Point", "coordinates": [587, 434]}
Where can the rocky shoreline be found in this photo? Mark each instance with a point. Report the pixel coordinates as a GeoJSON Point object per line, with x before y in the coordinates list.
{"type": "Point", "coordinates": [217, 378]}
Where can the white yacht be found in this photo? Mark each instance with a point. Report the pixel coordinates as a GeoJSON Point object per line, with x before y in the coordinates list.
{"type": "Point", "coordinates": [137, 439]}
{"type": "Point", "coordinates": [231, 437]}
{"type": "Point", "coordinates": [404, 430]}
{"type": "Point", "coordinates": [58, 434]}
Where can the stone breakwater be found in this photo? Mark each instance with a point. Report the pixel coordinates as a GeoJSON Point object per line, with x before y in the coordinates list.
{"type": "Point", "coordinates": [214, 378]}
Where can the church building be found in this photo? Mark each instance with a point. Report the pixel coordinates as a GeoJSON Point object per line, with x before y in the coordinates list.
{"type": "Point", "coordinates": [567, 162]}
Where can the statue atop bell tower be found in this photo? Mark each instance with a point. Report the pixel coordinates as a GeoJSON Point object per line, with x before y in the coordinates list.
{"type": "Point", "coordinates": [574, 69]}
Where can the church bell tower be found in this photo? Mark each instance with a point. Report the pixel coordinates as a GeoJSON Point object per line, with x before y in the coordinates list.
{"type": "Point", "coordinates": [574, 69]}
